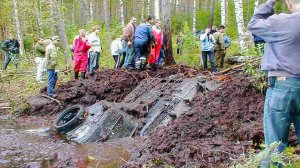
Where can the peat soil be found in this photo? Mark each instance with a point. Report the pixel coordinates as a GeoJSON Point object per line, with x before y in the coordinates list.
{"type": "Point", "coordinates": [110, 85]}
{"type": "Point", "coordinates": [221, 124]}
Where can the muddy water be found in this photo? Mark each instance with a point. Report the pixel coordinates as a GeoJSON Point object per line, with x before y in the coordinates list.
{"type": "Point", "coordinates": [32, 142]}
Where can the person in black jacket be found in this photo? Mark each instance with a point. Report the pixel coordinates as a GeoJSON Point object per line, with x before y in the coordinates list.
{"type": "Point", "coordinates": [11, 47]}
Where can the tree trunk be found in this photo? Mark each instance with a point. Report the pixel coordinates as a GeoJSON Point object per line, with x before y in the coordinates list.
{"type": "Point", "coordinates": [194, 17]}
{"type": "Point", "coordinates": [18, 27]}
{"type": "Point", "coordinates": [106, 14]}
{"type": "Point", "coordinates": [177, 6]}
{"type": "Point", "coordinates": [73, 12]}
{"type": "Point", "coordinates": [240, 22]}
{"type": "Point", "coordinates": [91, 10]}
{"type": "Point", "coordinates": [84, 12]}
{"type": "Point", "coordinates": [223, 12]}
{"type": "Point", "coordinates": [167, 33]}
{"type": "Point", "coordinates": [212, 13]}
{"type": "Point", "coordinates": [37, 8]}
{"type": "Point", "coordinates": [148, 8]}
{"type": "Point", "coordinates": [256, 3]}
{"type": "Point", "coordinates": [60, 26]}
{"type": "Point", "coordinates": [122, 13]}
{"type": "Point", "coordinates": [156, 8]}
{"type": "Point", "coordinates": [134, 7]}
{"type": "Point", "coordinates": [143, 10]}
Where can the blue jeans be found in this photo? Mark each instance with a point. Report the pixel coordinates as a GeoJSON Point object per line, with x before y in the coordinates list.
{"type": "Point", "coordinates": [210, 55]}
{"type": "Point", "coordinates": [52, 79]}
{"type": "Point", "coordinates": [129, 58]}
{"type": "Point", "coordinates": [8, 57]}
{"type": "Point", "coordinates": [140, 53]}
{"type": "Point", "coordinates": [282, 107]}
{"type": "Point", "coordinates": [161, 56]}
{"type": "Point", "coordinates": [93, 62]}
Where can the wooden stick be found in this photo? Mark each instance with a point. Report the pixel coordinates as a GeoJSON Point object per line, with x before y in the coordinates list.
{"type": "Point", "coordinates": [51, 98]}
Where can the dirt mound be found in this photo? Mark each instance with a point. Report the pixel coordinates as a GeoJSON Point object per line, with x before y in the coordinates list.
{"type": "Point", "coordinates": [220, 125]}
{"type": "Point", "coordinates": [111, 85]}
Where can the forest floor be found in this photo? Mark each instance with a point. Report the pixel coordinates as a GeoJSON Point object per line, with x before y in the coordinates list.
{"type": "Point", "coordinates": [220, 125]}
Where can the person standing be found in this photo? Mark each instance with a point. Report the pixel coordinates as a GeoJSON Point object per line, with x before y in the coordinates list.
{"type": "Point", "coordinates": [207, 48]}
{"type": "Point", "coordinates": [40, 50]}
{"type": "Point", "coordinates": [51, 61]}
{"type": "Point", "coordinates": [162, 52]}
{"type": "Point", "coordinates": [155, 49]}
{"type": "Point", "coordinates": [94, 52]}
{"type": "Point", "coordinates": [281, 60]}
{"type": "Point", "coordinates": [219, 48]}
{"type": "Point", "coordinates": [81, 47]}
{"type": "Point", "coordinates": [142, 39]}
{"type": "Point", "coordinates": [179, 43]}
{"type": "Point", "coordinates": [116, 51]}
{"type": "Point", "coordinates": [128, 35]}
{"type": "Point", "coordinates": [11, 47]}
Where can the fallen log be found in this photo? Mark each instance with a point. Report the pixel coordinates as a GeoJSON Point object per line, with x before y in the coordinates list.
{"type": "Point", "coordinates": [237, 66]}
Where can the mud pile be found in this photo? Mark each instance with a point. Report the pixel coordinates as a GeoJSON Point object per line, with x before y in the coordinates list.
{"type": "Point", "coordinates": [111, 85]}
{"type": "Point", "coordinates": [220, 126]}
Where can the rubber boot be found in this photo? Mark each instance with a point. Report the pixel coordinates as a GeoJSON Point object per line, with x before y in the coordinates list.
{"type": "Point", "coordinates": [76, 75]}
{"type": "Point", "coordinates": [82, 75]}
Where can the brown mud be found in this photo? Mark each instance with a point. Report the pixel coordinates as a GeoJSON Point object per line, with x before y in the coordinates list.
{"type": "Point", "coordinates": [111, 85]}
{"type": "Point", "coordinates": [222, 124]}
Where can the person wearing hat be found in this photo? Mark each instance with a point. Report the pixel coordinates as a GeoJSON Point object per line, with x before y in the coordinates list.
{"type": "Point", "coordinates": [51, 62]}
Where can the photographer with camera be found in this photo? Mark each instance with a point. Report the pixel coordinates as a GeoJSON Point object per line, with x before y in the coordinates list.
{"type": "Point", "coordinates": [207, 49]}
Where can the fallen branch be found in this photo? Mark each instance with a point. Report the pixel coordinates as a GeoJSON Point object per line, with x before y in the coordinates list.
{"type": "Point", "coordinates": [51, 98]}
{"type": "Point", "coordinates": [237, 66]}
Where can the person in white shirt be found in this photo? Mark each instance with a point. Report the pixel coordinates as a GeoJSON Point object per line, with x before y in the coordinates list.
{"type": "Point", "coordinates": [116, 50]}
{"type": "Point", "coordinates": [94, 52]}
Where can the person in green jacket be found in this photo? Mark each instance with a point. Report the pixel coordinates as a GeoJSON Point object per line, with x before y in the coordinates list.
{"type": "Point", "coordinates": [51, 65]}
{"type": "Point", "coordinates": [219, 47]}
{"type": "Point", "coordinates": [39, 50]}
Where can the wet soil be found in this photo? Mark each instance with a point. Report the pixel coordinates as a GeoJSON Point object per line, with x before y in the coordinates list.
{"type": "Point", "coordinates": [31, 142]}
{"type": "Point", "coordinates": [221, 125]}
{"type": "Point", "coordinates": [111, 85]}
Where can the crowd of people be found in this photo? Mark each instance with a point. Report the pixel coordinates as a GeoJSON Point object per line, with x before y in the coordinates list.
{"type": "Point", "coordinates": [214, 44]}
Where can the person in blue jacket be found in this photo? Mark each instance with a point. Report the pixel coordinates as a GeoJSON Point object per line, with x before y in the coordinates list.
{"type": "Point", "coordinates": [11, 47]}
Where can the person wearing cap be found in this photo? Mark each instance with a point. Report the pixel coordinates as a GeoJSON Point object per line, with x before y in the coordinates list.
{"type": "Point", "coordinates": [11, 47]}
{"type": "Point", "coordinates": [282, 61]}
{"type": "Point", "coordinates": [219, 47]}
{"type": "Point", "coordinates": [81, 46]}
{"type": "Point", "coordinates": [39, 51]}
{"type": "Point", "coordinates": [94, 52]}
{"type": "Point", "coordinates": [51, 61]}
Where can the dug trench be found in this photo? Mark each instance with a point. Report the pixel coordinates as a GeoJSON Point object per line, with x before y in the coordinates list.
{"type": "Point", "coordinates": [188, 120]}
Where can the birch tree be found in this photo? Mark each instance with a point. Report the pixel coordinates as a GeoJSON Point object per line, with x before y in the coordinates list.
{"type": "Point", "coordinates": [223, 12]}
{"type": "Point", "coordinates": [238, 7]}
{"type": "Point", "coordinates": [122, 13]}
{"type": "Point", "coordinates": [169, 59]}
{"type": "Point", "coordinates": [148, 7]}
{"type": "Point", "coordinates": [177, 6]}
{"type": "Point", "coordinates": [17, 26]}
{"type": "Point", "coordinates": [143, 9]}
{"type": "Point", "coordinates": [91, 10]}
{"type": "Point", "coordinates": [156, 9]}
{"type": "Point", "coordinates": [256, 3]}
{"type": "Point", "coordinates": [194, 17]}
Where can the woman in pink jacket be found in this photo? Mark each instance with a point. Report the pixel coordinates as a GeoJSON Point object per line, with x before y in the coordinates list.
{"type": "Point", "coordinates": [81, 47]}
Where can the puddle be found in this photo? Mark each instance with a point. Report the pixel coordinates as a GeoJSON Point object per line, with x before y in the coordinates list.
{"type": "Point", "coordinates": [32, 142]}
